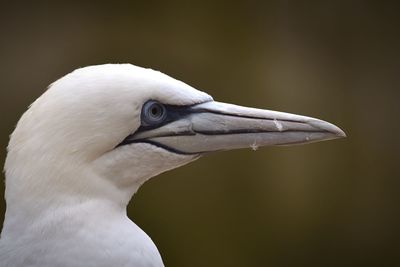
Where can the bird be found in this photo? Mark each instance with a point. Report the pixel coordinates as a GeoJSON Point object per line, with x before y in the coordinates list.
{"type": "Point", "coordinates": [85, 146]}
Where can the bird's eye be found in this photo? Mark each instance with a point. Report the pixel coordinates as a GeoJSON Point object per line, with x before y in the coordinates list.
{"type": "Point", "coordinates": [153, 113]}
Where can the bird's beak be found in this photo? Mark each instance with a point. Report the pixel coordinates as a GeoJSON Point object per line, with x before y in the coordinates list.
{"type": "Point", "coordinates": [214, 126]}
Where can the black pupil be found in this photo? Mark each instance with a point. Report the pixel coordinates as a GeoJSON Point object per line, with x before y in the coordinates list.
{"type": "Point", "coordinates": [155, 111]}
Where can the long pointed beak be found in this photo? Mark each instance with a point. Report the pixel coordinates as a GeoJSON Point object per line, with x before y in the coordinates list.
{"type": "Point", "coordinates": [214, 126]}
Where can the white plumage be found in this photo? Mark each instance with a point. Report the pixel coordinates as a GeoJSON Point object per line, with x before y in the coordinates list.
{"type": "Point", "coordinates": [88, 143]}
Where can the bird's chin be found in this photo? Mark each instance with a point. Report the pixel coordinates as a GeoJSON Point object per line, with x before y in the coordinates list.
{"type": "Point", "coordinates": [120, 165]}
{"type": "Point", "coordinates": [160, 159]}
{"type": "Point", "coordinates": [175, 157]}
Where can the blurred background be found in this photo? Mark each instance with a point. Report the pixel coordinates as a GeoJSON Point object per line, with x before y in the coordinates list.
{"type": "Point", "coordinates": [333, 203]}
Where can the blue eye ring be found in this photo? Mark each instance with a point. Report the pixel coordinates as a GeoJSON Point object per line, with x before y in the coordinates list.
{"type": "Point", "coordinates": [153, 113]}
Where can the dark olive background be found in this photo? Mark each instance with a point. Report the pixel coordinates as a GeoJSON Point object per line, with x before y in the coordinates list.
{"type": "Point", "coordinates": [333, 203]}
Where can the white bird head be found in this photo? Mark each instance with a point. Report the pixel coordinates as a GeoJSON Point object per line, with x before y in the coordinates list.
{"type": "Point", "coordinates": [119, 125]}
{"type": "Point", "coordinates": [98, 133]}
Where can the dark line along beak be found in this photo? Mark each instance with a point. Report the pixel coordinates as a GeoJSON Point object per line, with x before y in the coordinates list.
{"type": "Point", "coordinates": [214, 126]}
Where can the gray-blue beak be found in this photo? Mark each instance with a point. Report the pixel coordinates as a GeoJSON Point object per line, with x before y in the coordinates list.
{"type": "Point", "coordinates": [215, 126]}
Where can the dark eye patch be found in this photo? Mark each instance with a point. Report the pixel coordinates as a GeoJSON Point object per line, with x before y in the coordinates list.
{"type": "Point", "coordinates": [155, 114]}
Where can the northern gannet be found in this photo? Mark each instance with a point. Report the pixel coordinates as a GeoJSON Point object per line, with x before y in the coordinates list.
{"type": "Point", "coordinates": [93, 138]}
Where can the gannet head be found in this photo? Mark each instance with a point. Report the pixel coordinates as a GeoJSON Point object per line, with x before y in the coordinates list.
{"type": "Point", "coordinates": [101, 131]}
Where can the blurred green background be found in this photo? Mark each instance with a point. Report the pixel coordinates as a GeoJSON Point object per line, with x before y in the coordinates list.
{"type": "Point", "coordinates": [333, 203]}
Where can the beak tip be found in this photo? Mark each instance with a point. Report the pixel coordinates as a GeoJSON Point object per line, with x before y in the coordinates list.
{"type": "Point", "coordinates": [329, 128]}
{"type": "Point", "coordinates": [340, 133]}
